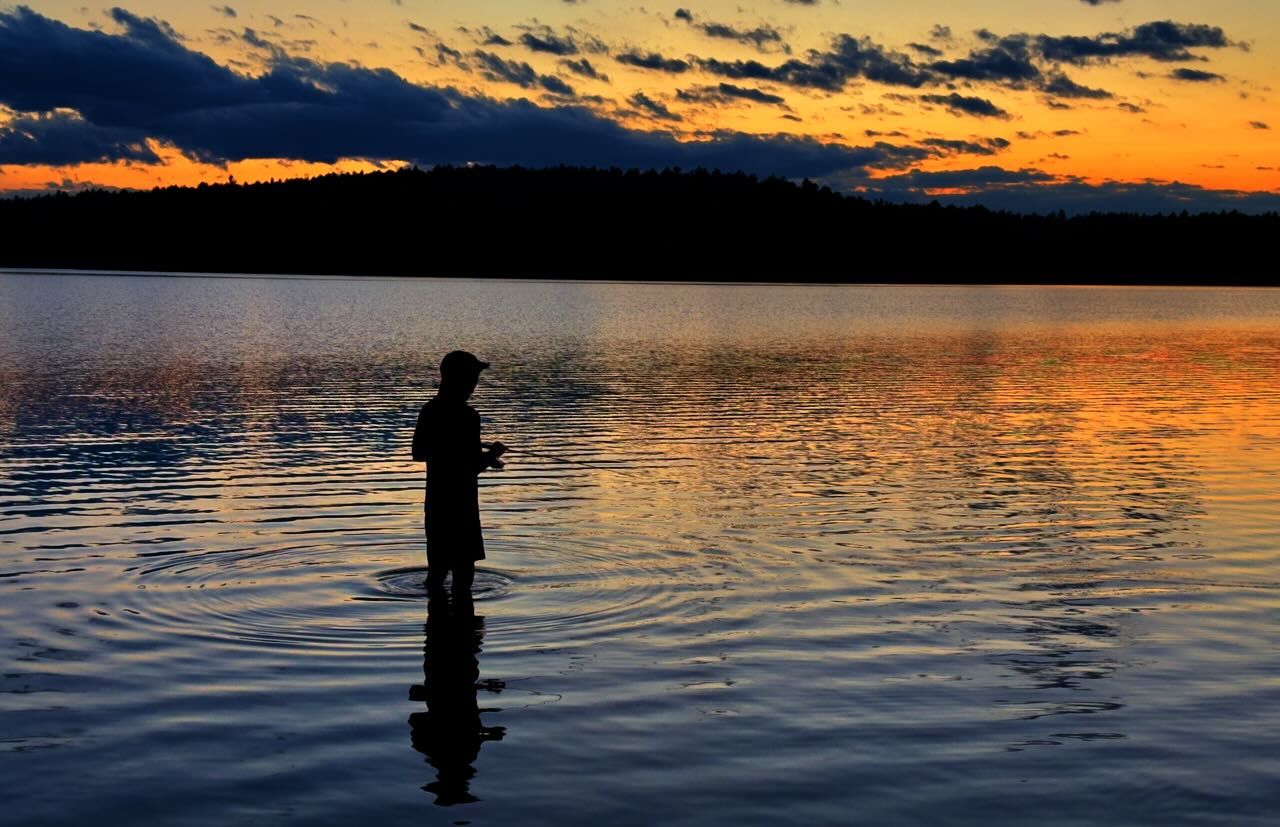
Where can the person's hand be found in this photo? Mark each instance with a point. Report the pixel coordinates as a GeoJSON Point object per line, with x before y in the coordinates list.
{"type": "Point", "coordinates": [495, 449]}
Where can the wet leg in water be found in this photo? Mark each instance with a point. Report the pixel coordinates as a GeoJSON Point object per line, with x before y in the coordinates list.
{"type": "Point", "coordinates": [464, 574]}
{"type": "Point", "coordinates": [435, 580]}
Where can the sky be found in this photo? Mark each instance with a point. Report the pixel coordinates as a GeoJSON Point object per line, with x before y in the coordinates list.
{"type": "Point", "coordinates": [1020, 104]}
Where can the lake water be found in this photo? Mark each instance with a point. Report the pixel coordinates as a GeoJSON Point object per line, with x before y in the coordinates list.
{"type": "Point", "coordinates": [805, 555]}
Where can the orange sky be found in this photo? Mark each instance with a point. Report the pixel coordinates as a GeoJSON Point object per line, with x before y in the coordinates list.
{"type": "Point", "coordinates": [1184, 107]}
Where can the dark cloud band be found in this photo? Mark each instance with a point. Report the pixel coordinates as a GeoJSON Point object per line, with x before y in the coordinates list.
{"type": "Point", "coordinates": [144, 83]}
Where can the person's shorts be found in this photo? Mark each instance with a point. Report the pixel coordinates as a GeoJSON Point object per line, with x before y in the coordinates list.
{"type": "Point", "coordinates": [450, 542]}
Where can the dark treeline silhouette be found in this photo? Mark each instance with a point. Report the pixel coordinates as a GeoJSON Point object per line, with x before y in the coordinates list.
{"type": "Point", "coordinates": [572, 222]}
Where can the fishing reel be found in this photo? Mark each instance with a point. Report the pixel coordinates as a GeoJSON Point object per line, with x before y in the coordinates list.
{"type": "Point", "coordinates": [496, 449]}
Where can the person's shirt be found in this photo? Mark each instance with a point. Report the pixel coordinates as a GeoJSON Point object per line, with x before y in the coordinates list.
{"type": "Point", "coordinates": [447, 438]}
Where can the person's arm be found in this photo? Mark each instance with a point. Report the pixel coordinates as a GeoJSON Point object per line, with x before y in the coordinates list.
{"type": "Point", "coordinates": [489, 452]}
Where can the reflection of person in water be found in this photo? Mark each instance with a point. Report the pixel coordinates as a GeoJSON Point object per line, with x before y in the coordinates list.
{"type": "Point", "coordinates": [450, 731]}
{"type": "Point", "coordinates": [447, 438]}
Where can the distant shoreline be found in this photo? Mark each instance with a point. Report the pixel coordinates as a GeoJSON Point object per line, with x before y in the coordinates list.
{"type": "Point", "coordinates": [1204, 285]}
{"type": "Point", "coordinates": [586, 224]}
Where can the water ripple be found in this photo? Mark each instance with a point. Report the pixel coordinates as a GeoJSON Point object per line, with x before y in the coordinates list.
{"type": "Point", "coordinates": [895, 551]}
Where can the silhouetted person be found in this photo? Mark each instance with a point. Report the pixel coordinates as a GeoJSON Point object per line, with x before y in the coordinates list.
{"type": "Point", "coordinates": [449, 733]}
{"type": "Point", "coordinates": [447, 438]}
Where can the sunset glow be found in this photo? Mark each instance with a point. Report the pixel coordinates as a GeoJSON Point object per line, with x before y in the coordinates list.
{"type": "Point", "coordinates": [1126, 104]}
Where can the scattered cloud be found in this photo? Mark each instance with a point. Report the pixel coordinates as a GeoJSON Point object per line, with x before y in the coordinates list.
{"type": "Point", "coordinates": [520, 73]}
{"type": "Point", "coordinates": [846, 59]}
{"type": "Point", "coordinates": [585, 68]}
{"type": "Point", "coordinates": [482, 35]}
{"type": "Point", "coordinates": [1195, 75]}
{"type": "Point", "coordinates": [1010, 59]}
{"type": "Point", "coordinates": [1162, 40]}
{"type": "Point", "coordinates": [983, 146]}
{"type": "Point", "coordinates": [654, 61]}
{"type": "Point", "coordinates": [497, 68]}
{"type": "Point", "coordinates": [571, 41]}
{"type": "Point", "coordinates": [727, 93]}
{"type": "Point", "coordinates": [1064, 87]}
{"type": "Point", "coordinates": [549, 43]}
{"type": "Point", "coordinates": [764, 38]}
{"type": "Point", "coordinates": [966, 105]}
{"type": "Point", "coordinates": [652, 107]}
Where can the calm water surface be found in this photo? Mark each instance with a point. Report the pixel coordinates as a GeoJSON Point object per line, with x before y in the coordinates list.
{"type": "Point", "coordinates": [840, 555]}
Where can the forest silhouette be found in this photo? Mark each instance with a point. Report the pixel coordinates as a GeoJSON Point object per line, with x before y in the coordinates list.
{"type": "Point", "coordinates": [574, 222]}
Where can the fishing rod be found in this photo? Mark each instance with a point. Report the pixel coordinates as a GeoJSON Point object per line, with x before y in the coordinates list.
{"type": "Point", "coordinates": [766, 441]}
{"type": "Point", "coordinates": [567, 460]}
